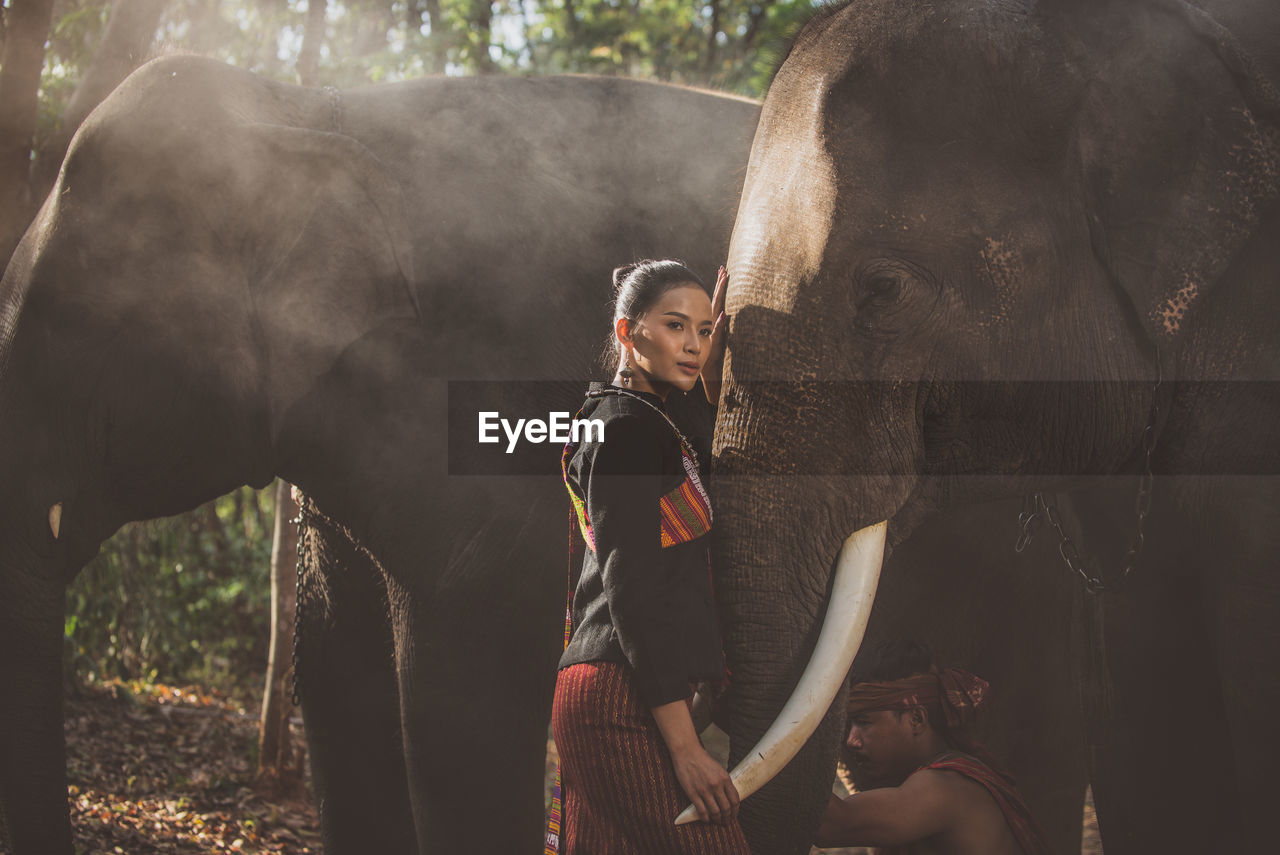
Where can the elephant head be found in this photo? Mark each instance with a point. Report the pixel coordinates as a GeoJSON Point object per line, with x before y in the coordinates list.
{"type": "Point", "coordinates": [969, 235]}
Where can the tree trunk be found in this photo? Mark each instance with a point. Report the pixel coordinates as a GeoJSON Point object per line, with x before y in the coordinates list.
{"type": "Point", "coordinates": [481, 25]}
{"type": "Point", "coordinates": [529, 36]}
{"type": "Point", "coordinates": [274, 750]}
{"type": "Point", "coordinates": [709, 56]}
{"type": "Point", "coordinates": [127, 39]}
{"type": "Point", "coordinates": [26, 30]}
{"type": "Point", "coordinates": [571, 19]}
{"type": "Point", "coordinates": [437, 39]}
{"type": "Point", "coordinates": [759, 15]}
{"type": "Point", "coordinates": [312, 38]}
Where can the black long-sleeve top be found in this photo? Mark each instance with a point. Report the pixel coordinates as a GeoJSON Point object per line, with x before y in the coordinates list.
{"type": "Point", "coordinates": [636, 602]}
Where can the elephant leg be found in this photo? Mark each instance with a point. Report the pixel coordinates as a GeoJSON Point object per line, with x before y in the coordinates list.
{"type": "Point", "coordinates": [350, 702]}
{"type": "Point", "coordinates": [1162, 780]}
{"type": "Point", "coordinates": [1243, 600]}
{"type": "Point", "coordinates": [929, 592]}
{"type": "Point", "coordinates": [33, 765]}
{"type": "Point", "coordinates": [477, 655]}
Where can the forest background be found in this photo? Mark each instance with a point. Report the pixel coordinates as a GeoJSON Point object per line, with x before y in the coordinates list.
{"type": "Point", "coordinates": [187, 599]}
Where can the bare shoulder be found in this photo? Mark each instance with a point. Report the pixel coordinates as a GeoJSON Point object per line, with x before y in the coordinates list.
{"type": "Point", "coordinates": [974, 822]}
{"type": "Point", "coordinates": [952, 784]}
{"type": "Point", "coordinates": [946, 790]}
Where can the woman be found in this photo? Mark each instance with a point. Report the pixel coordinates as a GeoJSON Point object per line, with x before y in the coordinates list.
{"type": "Point", "coordinates": [643, 620]}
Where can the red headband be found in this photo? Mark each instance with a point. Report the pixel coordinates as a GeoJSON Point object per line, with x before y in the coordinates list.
{"type": "Point", "coordinates": [955, 690]}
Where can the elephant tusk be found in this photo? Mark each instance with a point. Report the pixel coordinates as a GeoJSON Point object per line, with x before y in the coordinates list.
{"type": "Point", "coordinates": [55, 519]}
{"type": "Point", "coordinates": [852, 593]}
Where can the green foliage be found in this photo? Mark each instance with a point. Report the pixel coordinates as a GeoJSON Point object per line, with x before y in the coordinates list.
{"type": "Point", "coordinates": [74, 35]}
{"type": "Point", "coordinates": [783, 22]}
{"type": "Point", "coordinates": [725, 44]}
{"type": "Point", "coordinates": [179, 600]}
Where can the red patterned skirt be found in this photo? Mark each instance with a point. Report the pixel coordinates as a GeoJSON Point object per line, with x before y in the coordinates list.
{"type": "Point", "coordinates": [620, 792]}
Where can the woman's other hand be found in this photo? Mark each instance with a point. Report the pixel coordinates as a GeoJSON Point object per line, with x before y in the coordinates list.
{"type": "Point", "coordinates": [702, 778]}
{"type": "Point", "coordinates": [711, 369]}
{"type": "Point", "coordinates": [707, 785]}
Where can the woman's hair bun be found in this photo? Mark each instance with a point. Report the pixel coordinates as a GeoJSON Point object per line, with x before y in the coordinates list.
{"type": "Point", "coordinates": [620, 274]}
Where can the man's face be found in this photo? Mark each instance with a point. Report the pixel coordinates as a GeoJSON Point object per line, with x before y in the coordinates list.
{"type": "Point", "coordinates": [880, 749]}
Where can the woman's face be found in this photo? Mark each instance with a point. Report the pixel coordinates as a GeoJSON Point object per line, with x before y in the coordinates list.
{"type": "Point", "coordinates": [671, 340]}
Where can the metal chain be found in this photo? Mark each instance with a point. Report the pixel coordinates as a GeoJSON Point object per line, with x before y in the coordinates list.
{"type": "Point", "coordinates": [303, 522]}
{"type": "Point", "coordinates": [1036, 511]}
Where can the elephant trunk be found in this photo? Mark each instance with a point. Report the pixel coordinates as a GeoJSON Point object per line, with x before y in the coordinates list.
{"type": "Point", "coordinates": [788, 514]}
{"type": "Point", "coordinates": [845, 620]}
{"type": "Point", "coordinates": [792, 627]}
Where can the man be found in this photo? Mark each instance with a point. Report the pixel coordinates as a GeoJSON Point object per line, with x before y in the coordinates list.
{"type": "Point", "coordinates": [924, 786]}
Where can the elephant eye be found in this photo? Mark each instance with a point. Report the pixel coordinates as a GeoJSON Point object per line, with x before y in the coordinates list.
{"type": "Point", "coordinates": [881, 291]}
{"type": "Point", "coordinates": [886, 299]}
{"type": "Point", "coordinates": [884, 288]}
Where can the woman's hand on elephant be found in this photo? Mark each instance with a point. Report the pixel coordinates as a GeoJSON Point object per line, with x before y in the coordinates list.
{"type": "Point", "coordinates": [707, 785]}
{"type": "Point", "coordinates": [711, 369]}
{"type": "Point", "coordinates": [703, 780]}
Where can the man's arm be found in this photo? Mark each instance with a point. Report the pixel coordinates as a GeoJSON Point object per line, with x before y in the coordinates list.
{"type": "Point", "coordinates": [893, 816]}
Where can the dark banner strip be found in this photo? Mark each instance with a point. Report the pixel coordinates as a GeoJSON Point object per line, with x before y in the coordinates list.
{"type": "Point", "coordinates": [521, 427]}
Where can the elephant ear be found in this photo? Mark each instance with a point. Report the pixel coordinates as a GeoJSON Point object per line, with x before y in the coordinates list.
{"type": "Point", "coordinates": [329, 251]}
{"type": "Point", "coordinates": [1180, 150]}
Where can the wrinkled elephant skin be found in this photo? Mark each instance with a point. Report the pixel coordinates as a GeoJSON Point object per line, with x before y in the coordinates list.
{"type": "Point", "coordinates": [972, 238]}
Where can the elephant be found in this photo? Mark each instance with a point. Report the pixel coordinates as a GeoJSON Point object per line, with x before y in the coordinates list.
{"type": "Point", "coordinates": [236, 279]}
{"type": "Point", "coordinates": [992, 249]}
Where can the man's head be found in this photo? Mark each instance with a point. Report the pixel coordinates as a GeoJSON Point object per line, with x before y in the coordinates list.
{"type": "Point", "coordinates": [903, 712]}
{"type": "Point", "coordinates": [885, 746]}
{"type": "Point", "coordinates": [882, 746]}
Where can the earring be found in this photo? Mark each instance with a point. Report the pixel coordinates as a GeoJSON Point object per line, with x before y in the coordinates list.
{"type": "Point", "coordinates": [626, 372]}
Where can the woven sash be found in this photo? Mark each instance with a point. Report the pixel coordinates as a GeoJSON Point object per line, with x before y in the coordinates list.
{"type": "Point", "coordinates": [683, 514]}
{"type": "Point", "coordinates": [579, 506]}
